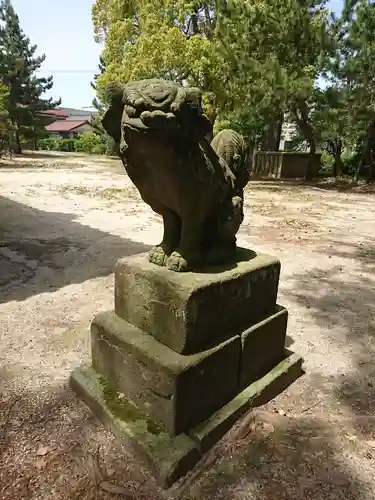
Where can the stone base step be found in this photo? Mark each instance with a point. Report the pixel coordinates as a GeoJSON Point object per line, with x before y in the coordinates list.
{"type": "Point", "coordinates": [181, 391]}
{"type": "Point", "coordinates": [169, 458]}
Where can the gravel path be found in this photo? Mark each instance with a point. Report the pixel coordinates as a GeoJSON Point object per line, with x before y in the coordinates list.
{"type": "Point", "coordinates": [65, 220]}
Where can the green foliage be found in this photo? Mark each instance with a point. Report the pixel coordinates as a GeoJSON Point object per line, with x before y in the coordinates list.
{"type": "Point", "coordinates": [280, 70]}
{"type": "Point", "coordinates": [353, 74]}
{"type": "Point", "coordinates": [49, 144]}
{"type": "Point", "coordinates": [89, 142]}
{"type": "Point", "coordinates": [5, 123]}
{"type": "Point", "coordinates": [170, 39]}
{"type": "Point", "coordinates": [223, 47]}
{"type": "Point", "coordinates": [67, 145]}
{"type": "Point", "coordinates": [326, 164]}
{"type": "Point", "coordinates": [18, 64]}
{"type": "Point", "coordinates": [256, 62]}
{"type": "Point", "coordinates": [249, 124]}
{"type": "Point", "coordinates": [108, 145]}
{"type": "Point", "coordinates": [57, 144]}
{"type": "Point", "coordinates": [350, 159]}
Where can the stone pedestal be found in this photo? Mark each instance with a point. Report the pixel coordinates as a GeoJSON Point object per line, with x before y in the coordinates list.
{"type": "Point", "coordinates": [187, 311]}
{"type": "Point", "coordinates": [183, 356]}
{"type": "Point", "coordinates": [176, 391]}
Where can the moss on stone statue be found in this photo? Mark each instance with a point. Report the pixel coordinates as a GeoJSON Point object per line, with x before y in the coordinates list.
{"type": "Point", "coordinates": [124, 409]}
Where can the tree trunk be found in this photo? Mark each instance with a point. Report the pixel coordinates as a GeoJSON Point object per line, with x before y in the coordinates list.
{"type": "Point", "coordinates": [371, 170]}
{"type": "Point", "coordinates": [369, 175]}
{"type": "Point", "coordinates": [18, 149]}
{"type": "Point", "coordinates": [334, 168]}
{"type": "Point", "coordinates": [310, 164]}
{"type": "Point", "coordinates": [365, 149]}
{"type": "Point", "coordinates": [338, 165]}
{"type": "Point", "coordinates": [301, 117]}
{"type": "Point", "coordinates": [35, 138]}
{"type": "Point", "coordinates": [271, 138]}
{"type": "Point", "coordinates": [359, 169]}
{"type": "Point", "coordinates": [194, 24]}
{"type": "Point", "coordinates": [250, 154]}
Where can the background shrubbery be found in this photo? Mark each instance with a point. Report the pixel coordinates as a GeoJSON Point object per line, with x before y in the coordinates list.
{"type": "Point", "coordinates": [350, 160]}
{"type": "Point", "coordinates": [88, 142]}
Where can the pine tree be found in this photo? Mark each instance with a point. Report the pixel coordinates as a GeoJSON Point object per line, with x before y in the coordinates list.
{"type": "Point", "coordinates": [18, 64]}
{"type": "Point", "coordinates": [355, 73]}
{"type": "Point", "coordinates": [98, 105]}
{"type": "Point", "coordinates": [5, 124]}
{"type": "Point", "coordinates": [96, 120]}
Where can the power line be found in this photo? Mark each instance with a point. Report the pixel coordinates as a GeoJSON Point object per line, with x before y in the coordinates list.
{"type": "Point", "coordinates": [67, 70]}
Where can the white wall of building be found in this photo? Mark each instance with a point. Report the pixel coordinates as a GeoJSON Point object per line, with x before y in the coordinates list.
{"type": "Point", "coordinates": [84, 128]}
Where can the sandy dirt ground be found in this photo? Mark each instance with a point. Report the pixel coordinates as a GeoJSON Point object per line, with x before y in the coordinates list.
{"type": "Point", "coordinates": [64, 221]}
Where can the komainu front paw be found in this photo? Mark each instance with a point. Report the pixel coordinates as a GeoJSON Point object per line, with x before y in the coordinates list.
{"type": "Point", "coordinates": [176, 262]}
{"type": "Point", "coordinates": [158, 256]}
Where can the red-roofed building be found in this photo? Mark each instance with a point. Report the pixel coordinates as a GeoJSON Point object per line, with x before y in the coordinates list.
{"type": "Point", "coordinates": [56, 114]}
{"type": "Point", "coordinates": [68, 129]}
{"type": "Point", "coordinates": [69, 122]}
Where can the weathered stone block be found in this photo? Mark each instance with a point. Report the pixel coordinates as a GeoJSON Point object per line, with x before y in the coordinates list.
{"type": "Point", "coordinates": [263, 346]}
{"type": "Point", "coordinates": [174, 390]}
{"type": "Point", "coordinates": [170, 458]}
{"type": "Point", "coordinates": [186, 311]}
{"type": "Point", "coordinates": [282, 375]}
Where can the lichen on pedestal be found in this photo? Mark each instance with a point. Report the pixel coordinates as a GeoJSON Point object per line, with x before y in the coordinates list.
{"type": "Point", "coordinates": [123, 409]}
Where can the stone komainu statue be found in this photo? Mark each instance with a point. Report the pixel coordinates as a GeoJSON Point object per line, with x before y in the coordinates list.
{"type": "Point", "coordinates": [197, 188]}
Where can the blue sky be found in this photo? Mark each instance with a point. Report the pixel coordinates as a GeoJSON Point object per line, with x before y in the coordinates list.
{"type": "Point", "coordinates": [62, 29]}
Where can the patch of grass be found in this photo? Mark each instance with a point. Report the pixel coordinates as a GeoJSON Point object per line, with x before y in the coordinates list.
{"type": "Point", "coordinates": [367, 253]}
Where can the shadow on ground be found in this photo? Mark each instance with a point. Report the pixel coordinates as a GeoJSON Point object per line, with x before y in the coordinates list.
{"type": "Point", "coordinates": [346, 309]}
{"type": "Point", "coordinates": [49, 442]}
{"type": "Point", "coordinates": [44, 251]}
{"type": "Point", "coordinates": [272, 457]}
